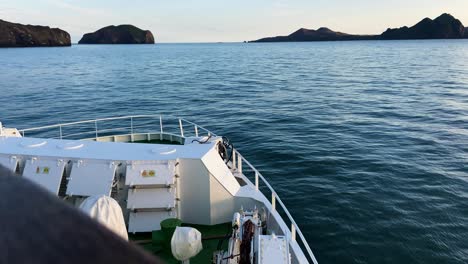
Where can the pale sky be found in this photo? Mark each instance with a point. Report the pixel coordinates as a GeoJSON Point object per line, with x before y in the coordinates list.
{"type": "Point", "coordinates": [227, 21]}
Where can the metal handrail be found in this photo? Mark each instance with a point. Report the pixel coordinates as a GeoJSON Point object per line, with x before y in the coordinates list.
{"type": "Point", "coordinates": [236, 163]}
{"type": "Point", "coordinates": [275, 198]}
{"type": "Point", "coordinates": [131, 119]}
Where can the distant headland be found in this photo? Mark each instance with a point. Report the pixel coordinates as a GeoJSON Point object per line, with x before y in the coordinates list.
{"type": "Point", "coordinates": [443, 27]}
{"type": "Point", "coordinates": [18, 35]}
{"type": "Point", "coordinates": [122, 34]}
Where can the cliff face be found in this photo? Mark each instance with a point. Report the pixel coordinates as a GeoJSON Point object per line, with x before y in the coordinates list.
{"type": "Point", "coordinates": [443, 27]}
{"type": "Point", "coordinates": [18, 35]}
{"type": "Point", "coordinates": [123, 34]}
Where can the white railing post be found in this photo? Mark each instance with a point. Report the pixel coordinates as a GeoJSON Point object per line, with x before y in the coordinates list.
{"type": "Point", "coordinates": [131, 129]}
{"type": "Point", "coordinates": [1, 129]}
{"type": "Point", "coordinates": [161, 128]}
{"type": "Point", "coordinates": [96, 128]}
{"type": "Point", "coordinates": [160, 124]}
{"type": "Point", "coordinates": [234, 159]}
{"type": "Point", "coordinates": [293, 232]}
{"type": "Point", "coordinates": [256, 180]}
{"type": "Point", "coordinates": [60, 127]}
{"type": "Point", "coordinates": [239, 164]}
{"type": "Point", "coordinates": [273, 201]}
{"type": "Point", "coordinates": [181, 128]}
{"type": "Point", "coordinates": [196, 130]}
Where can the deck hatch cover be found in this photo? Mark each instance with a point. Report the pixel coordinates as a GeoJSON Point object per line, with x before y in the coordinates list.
{"type": "Point", "coordinates": [152, 198]}
{"type": "Point", "coordinates": [150, 174]}
{"type": "Point", "coordinates": [90, 178]}
{"type": "Point", "coordinates": [47, 173]}
{"type": "Point", "coordinates": [9, 162]}
{"type": "Point", "coordinates": [273, 249]}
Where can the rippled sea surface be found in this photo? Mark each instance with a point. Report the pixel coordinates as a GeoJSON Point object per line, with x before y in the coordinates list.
{"type": "Point", "coordinates": [366, 142]}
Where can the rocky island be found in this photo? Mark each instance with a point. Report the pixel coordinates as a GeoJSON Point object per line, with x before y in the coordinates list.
{"type": "Point", "coordinates": [321, 34]}
{"type": "Point", "coordinates": [18, 35]}
{"type": "Point", "coordinates": [122, 34]}
{"type": "Point", "coordinates": [443, 27]}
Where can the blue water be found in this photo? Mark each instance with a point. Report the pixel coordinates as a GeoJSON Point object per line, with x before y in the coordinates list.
{"type": "Point", "coordinates": [366, 142]}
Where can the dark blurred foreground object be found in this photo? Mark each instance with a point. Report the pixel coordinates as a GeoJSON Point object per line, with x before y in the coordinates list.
{"type": "Point", "coordinates": [18, 35]}
{"type": "Point", "coordinates": [37, 227]}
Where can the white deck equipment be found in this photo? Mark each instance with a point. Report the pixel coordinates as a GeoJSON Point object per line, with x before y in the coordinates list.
{"type": "Point", "coordinates": [106, 211]}
{"type": "Point", "coordinates": [186, 242]}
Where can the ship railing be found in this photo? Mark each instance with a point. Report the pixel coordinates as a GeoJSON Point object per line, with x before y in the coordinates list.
{"type": "Point", "coordinates": [130, 125]}
{"type": "Point", "coordinates": [237, 163]}
{"type": "Point", "coordinates": [141, 123]}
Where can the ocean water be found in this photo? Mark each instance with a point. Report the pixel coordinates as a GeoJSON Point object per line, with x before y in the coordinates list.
{"type": "Point", "coordinates": [366, 142]}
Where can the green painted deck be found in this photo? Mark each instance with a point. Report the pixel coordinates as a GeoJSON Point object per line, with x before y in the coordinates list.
{"type": "Point", "coordinates": [211, 237]}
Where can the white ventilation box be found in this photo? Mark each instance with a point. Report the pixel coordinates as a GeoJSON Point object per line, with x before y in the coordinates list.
{"type": "Point", "coordinates": [47, 173]}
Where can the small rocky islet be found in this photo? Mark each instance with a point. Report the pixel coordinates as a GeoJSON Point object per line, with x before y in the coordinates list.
{"type": "Point", "coordinates": [122, 34]}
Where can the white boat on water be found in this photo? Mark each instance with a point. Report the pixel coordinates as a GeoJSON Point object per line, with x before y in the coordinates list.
{"type": "Point", "coordinates": [159, 168]}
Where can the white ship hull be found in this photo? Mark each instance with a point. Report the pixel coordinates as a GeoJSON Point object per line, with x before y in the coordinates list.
{"type": "Point", "coordinates": [186, 178]}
